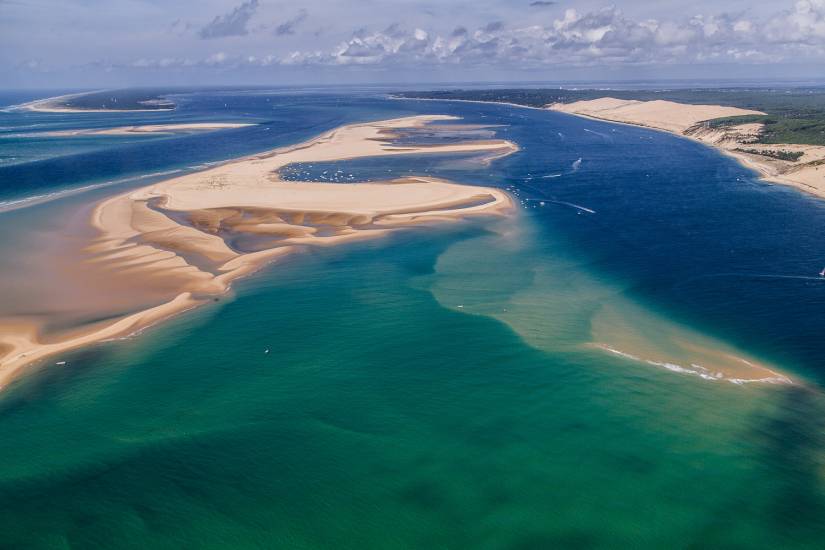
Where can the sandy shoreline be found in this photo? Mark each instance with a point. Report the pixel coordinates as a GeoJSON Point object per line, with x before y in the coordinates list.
{"type": "Point", "coordinates": [804, 175]}
{"type": "Point", "coordinates": [174, 128]}
{"type": "Point", "coordinates": [50, 105]}
{"type": "Point", "coordinates": [687, 121]}
{"type": "Point", "coordinates": [179, 243]}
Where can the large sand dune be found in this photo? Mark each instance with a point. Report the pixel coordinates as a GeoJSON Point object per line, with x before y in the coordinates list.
{"type": "Point", "coordinates": [739, 141]}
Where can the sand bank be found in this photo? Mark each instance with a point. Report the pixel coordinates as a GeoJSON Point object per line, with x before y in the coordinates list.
{"type": "Point", "coordinates": [179, 243]}
{"type": "Point", "coordinates": [738, 141]}
{"type": "Point", "coordinates": [182, 128]}
{"type": "Point", "coordinates": [642, 336]}
{"type": "Point", "coordinates": [55, 105]}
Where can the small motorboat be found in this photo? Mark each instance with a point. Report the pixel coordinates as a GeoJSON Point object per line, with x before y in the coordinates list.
{"type": "Point", "coordinates": [822, 273]}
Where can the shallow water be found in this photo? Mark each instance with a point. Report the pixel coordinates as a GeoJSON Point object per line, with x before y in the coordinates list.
{"type": "Point", "coordinates": [438, 389]}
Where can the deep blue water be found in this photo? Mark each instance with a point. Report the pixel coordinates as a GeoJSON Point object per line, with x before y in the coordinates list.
{"type": "Point", "coordinates": [686, 228]}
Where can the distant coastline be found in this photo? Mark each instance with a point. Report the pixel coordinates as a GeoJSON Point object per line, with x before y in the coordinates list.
{"type": "Point", "coordinates": [736, 141]}
{"type": "Point", "coordinates": [793, 165]}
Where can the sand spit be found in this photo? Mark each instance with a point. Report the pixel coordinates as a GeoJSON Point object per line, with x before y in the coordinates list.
{"type": "Point", "coordinates": [182, 128]}
{"type": "Point", "coordinates": [53, 105]}
{"type": "Point", "coordinates": [181, 242]}
{"type": "Point", "coordinates": [738, 141]}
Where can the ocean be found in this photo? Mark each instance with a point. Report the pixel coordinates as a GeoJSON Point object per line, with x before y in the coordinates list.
{"type": "Point", "coordinates": [531, 382]}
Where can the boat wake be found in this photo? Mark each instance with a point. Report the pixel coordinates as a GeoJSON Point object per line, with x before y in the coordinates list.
{"type": "Point", "coordinates": [579, 207]}
{"type": "Point", "coordinates": [765, 276]}
{"type": "Point", "coordinates": [605, 136]}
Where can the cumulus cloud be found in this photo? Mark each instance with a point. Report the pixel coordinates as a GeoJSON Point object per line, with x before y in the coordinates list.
{"type": "Point", "coordinates": [803, 24]}
{"type": "Point", "coordinates": [233, 23]}
{"type": "Point", "coordinates": [288, 26]}
{"type": "Point", "coordinates": [597, 38]}
{"type": "Point", "coordinates": [605, 36]}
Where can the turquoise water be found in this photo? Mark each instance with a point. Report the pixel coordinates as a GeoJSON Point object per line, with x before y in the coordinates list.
{"type": "Point", "coordinates": [437, 389]}
{"type": "Point", "coordinates": [384, 420]}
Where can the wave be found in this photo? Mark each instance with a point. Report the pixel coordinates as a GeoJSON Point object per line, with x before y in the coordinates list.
{"type": "Point", "coordinates": [16, 204]}
{"type": "Point", "coordinates": [698, 370]}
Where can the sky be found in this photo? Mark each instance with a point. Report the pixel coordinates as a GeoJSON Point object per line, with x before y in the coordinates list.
{"type": "Point", "coordinates": [88, 43]}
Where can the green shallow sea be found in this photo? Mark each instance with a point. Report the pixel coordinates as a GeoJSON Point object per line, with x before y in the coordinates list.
{"type": "Point", "coordinates": [431, 390]}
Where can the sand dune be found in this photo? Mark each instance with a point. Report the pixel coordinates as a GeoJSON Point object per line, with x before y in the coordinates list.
{"type": "Point", "coordinates": [739, 141]}
{"type": "Point", "coordinates": [664, 115]}
{"type": "Point", "coordinates": [181, 242]}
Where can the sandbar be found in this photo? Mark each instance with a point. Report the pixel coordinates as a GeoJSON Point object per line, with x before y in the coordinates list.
{"type": "Point", "coordinates": [179, 128]}
{"type": "Point", "coordinates": [53, 105]}
{"type": "Point", "coordinates": [179, 243]}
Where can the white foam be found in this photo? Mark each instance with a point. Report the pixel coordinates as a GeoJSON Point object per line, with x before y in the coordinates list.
{"type": "Point", "coordinates": [698, 370]}
{"type": "Point", "coordinates": [618, 352]}
{"type": "Point", "coordinates": [24, 202]}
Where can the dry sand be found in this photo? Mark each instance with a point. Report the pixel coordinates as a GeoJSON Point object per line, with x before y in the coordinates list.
{"type": "Point", "coordinates": [179, 243]}
{"type": "Point", "coordinates": [663, 115]}
{"type": "Point", "coordinates": [53, 105]}
{"type": "Point", "coordinates": [190, 127]}
{"type": "Point", "coordinates": [687, 120]}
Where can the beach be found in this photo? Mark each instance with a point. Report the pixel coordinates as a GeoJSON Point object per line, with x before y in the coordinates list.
{"type": "Point", "coordinates": [738, 141]}
{"type": "Point", "coordinates": [56, 105]}
{"type": "Point", "coordinates": [181, 242]}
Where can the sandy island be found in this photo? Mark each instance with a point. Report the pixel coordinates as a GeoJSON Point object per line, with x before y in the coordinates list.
{"type": "Point", "coordinates": [153, 252]}
{"type": "Point", "coordinates": [175, 128]}
{"type": "Point", "coordinates": [738, 141]}
{"type": "Point", "coordinates": [53, 105]}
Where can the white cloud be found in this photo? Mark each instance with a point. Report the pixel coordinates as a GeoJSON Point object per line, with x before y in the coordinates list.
{"type": "Point", "coordinates": [606, 37]}
{"type": "Point", "coordinates": [601, 36]}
